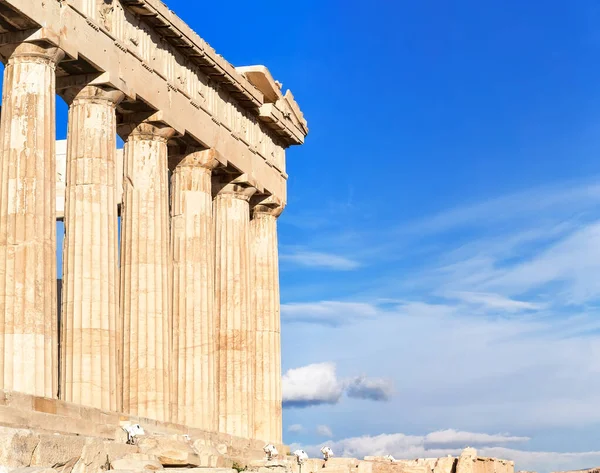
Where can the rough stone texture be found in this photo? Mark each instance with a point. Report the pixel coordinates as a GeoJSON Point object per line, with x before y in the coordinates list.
{"type": "Point", "coordinates": [201, 470]}
{"type": "Point", "coordinates": [466, 461]}
{"type": "Point", "coordinates": [137, 461]}
{"type": "Point", "coordinates": [90, 276]}
{"type": "Point", "coordinates": [235, 324]}
{"type": "Point", "coordinates": [192, 233]}
{"type": "Point", "coordinates": [17, 447]}
{"type": "Point", "coordinates": [57, 450]}
{"type": "Point", "coordinates": [94, 457]}
{"type": "Point", "coordinates": [145, 262]}
{"type": "Point", "coordinates": [265, 309]}
{"type": "Point", "coordinates": [170, 452]}
{"type": "Point", "coordinates": [211, 457]}
{"type": "Point", "coordinates": [445, 465]}
{"type": "Point", "coordinates": [66, 467]}
{"type": "Point", "coordinates": [33, 470]}
{"type": "Point", "coordinates": [28, 324]}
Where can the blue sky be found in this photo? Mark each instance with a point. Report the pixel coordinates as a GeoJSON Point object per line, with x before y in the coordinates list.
{"type": "Point", "coordinates": [440, 252]}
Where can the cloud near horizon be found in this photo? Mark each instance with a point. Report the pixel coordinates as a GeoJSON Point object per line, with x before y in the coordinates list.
{"type": "Point", "coordinates": [451, 442]}
{"type": "Point", "coordinates": [494, 326]}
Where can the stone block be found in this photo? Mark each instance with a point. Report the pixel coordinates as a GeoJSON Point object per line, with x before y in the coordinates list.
{"type": "Point", "coordinates": [200, 470]}
{"type": "Point", "coordinates": [137, 461]}
{"type": "Point", "coordinates": [170, 452]}
{"type": "Point", "coordinates": [116, 450]}
{"type": "Point", "coordinates": [17, 447]}
{"type": "Point", "coordinates": [94, 458]}
{"type": "Point", "coordinates": [67, 467]}
{"type": "Point", "coordinates": [342, 462]}
{"type": "Point", "coordinates": [445, 465]}
{"type": "Point", "coordinates": [57, 450]}
{"type": "Point", "coordinates": [42, 404]}
{"type": "Point", "coordinates": [34, 469]}
{"type": "Point", "coordinates": [210, 456]}
{"type": "Point", "coordinates": [466, 461]}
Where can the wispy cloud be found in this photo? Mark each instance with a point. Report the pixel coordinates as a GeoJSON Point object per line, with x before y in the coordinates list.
{"type": "Point", "coordinates": [324, 431]}
{"type": "Point", "coordinates": [451, 438]}
{"type": "Point", "coordinates": [326, 312]}
{"type": "Point", "coordinates": [315, 259]}
{"type": "Point", "coordinates": [560, 200]}
{"type": "Point", "coordinates": [375, 389]}
{"type": "Point", "coordinates": [295, 428]}
{"type": "Point", "coordinates": [496, 323]}
{"type": "Point", "coordinates": [494, 301]}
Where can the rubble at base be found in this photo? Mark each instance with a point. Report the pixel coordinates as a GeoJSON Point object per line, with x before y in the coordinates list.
{"type": "Point", "coordinates": [65, 438]}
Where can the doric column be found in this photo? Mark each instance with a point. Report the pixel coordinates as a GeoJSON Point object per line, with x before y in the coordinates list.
{"type": "Point", "coordinates": [90, 276]}
{"type": "Point", "coordinates": [194, 365]}
{"type": "Point", "coordinates": [28, 322]}
{"type": "Point", "coordinates": [235, 327]}
{"type": "Point", "coordinates": [145, 267]}
{"type": "Point", "coordinates": [265, 309]}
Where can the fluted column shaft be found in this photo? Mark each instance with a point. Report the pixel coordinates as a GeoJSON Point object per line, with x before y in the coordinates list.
{"type": "Point", "coordinates": [235, 325]}
{"type": "Point", "coordinates": [28, 314]}
{"type": "Point", "coordinates": [90, 276]}
{"type": "Point", "coordinates": [145, 262]}
{"type": "Point", "coordinates": [192, 232]}
{"type": "Point", "coordinates": [266, 311]}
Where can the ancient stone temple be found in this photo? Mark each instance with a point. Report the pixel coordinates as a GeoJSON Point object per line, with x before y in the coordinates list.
{"type": "Point", "coordinates": [177, 320]}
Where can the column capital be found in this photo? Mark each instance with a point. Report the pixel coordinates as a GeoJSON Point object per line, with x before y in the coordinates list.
{"type": "Point", "coordinates": [94, 94]}
{"type": "Point", "coordinates": [43, 51]}
{"type": "Point", "coordinates": [237, 188]}
{"type": "Point", "coordinates": [208, 159]}
{"type": "Point", "coordinates": [267, 207]}
{"type": "Point", "coordinates": [267, 210]}
{"type": "Point", "coordinates": [146, 130]}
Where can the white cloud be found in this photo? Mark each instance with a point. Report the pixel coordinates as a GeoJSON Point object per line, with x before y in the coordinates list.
{"type": "Point", "coordinates": [311, 385]}
{"type": "Point", "coordinates": [324, 431]}
{"type": "Point", "coordinates": [295, 428]}
{"type": "Point", "coordinates": [315, 259]}
{"type": "Point", "coordinates": [318, 384]}
{"type": "Point", "coordinates": [451, 442]}
{"type": "Point", "coordinates": [326, 312]}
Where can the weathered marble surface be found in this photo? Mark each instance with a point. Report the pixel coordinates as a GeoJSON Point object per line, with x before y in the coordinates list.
{"type": "Point", "coordinates": [265, 310]}
{"type": "Point", "coordinates": [235, 321]}
{"type": "Point", "coordinates": [145, 271]}
{"type": "Point", "coordinates": [192, 246]}
{"type": "Point", "coordinates": [90, 297]}
{"type": "Point", "coordinates": [28, 323]}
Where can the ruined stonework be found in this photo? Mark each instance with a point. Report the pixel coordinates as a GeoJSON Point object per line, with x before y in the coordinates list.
{"type": "Point", "coordinates": [166, 354]}
{"type": "Point", "coordinates": [178, 321]}
{"type": "Point", "coordinates": [40, 433]}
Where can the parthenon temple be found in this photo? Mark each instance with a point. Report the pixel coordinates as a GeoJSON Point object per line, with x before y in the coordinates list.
{"type": "Point", "coordinates": [169, 305]}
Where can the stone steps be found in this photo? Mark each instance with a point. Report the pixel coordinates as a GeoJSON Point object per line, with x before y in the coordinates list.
{"type": "Point", "coordinates": [49, 416]}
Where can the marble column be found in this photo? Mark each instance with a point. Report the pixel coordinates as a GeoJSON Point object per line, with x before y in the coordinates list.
{"type": "Point", "coordinates": [145, 268]}
{"type": "Point", "coordinates": [265, 308]}
{"type": "Point", "coordinates": [28, 315]}
{"type": "Point", "coordinates": [235, 325]}
{"type": "Point", "coordinates": [194, 384]}
{"type": "Point", "coordinates": [90, 276]}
